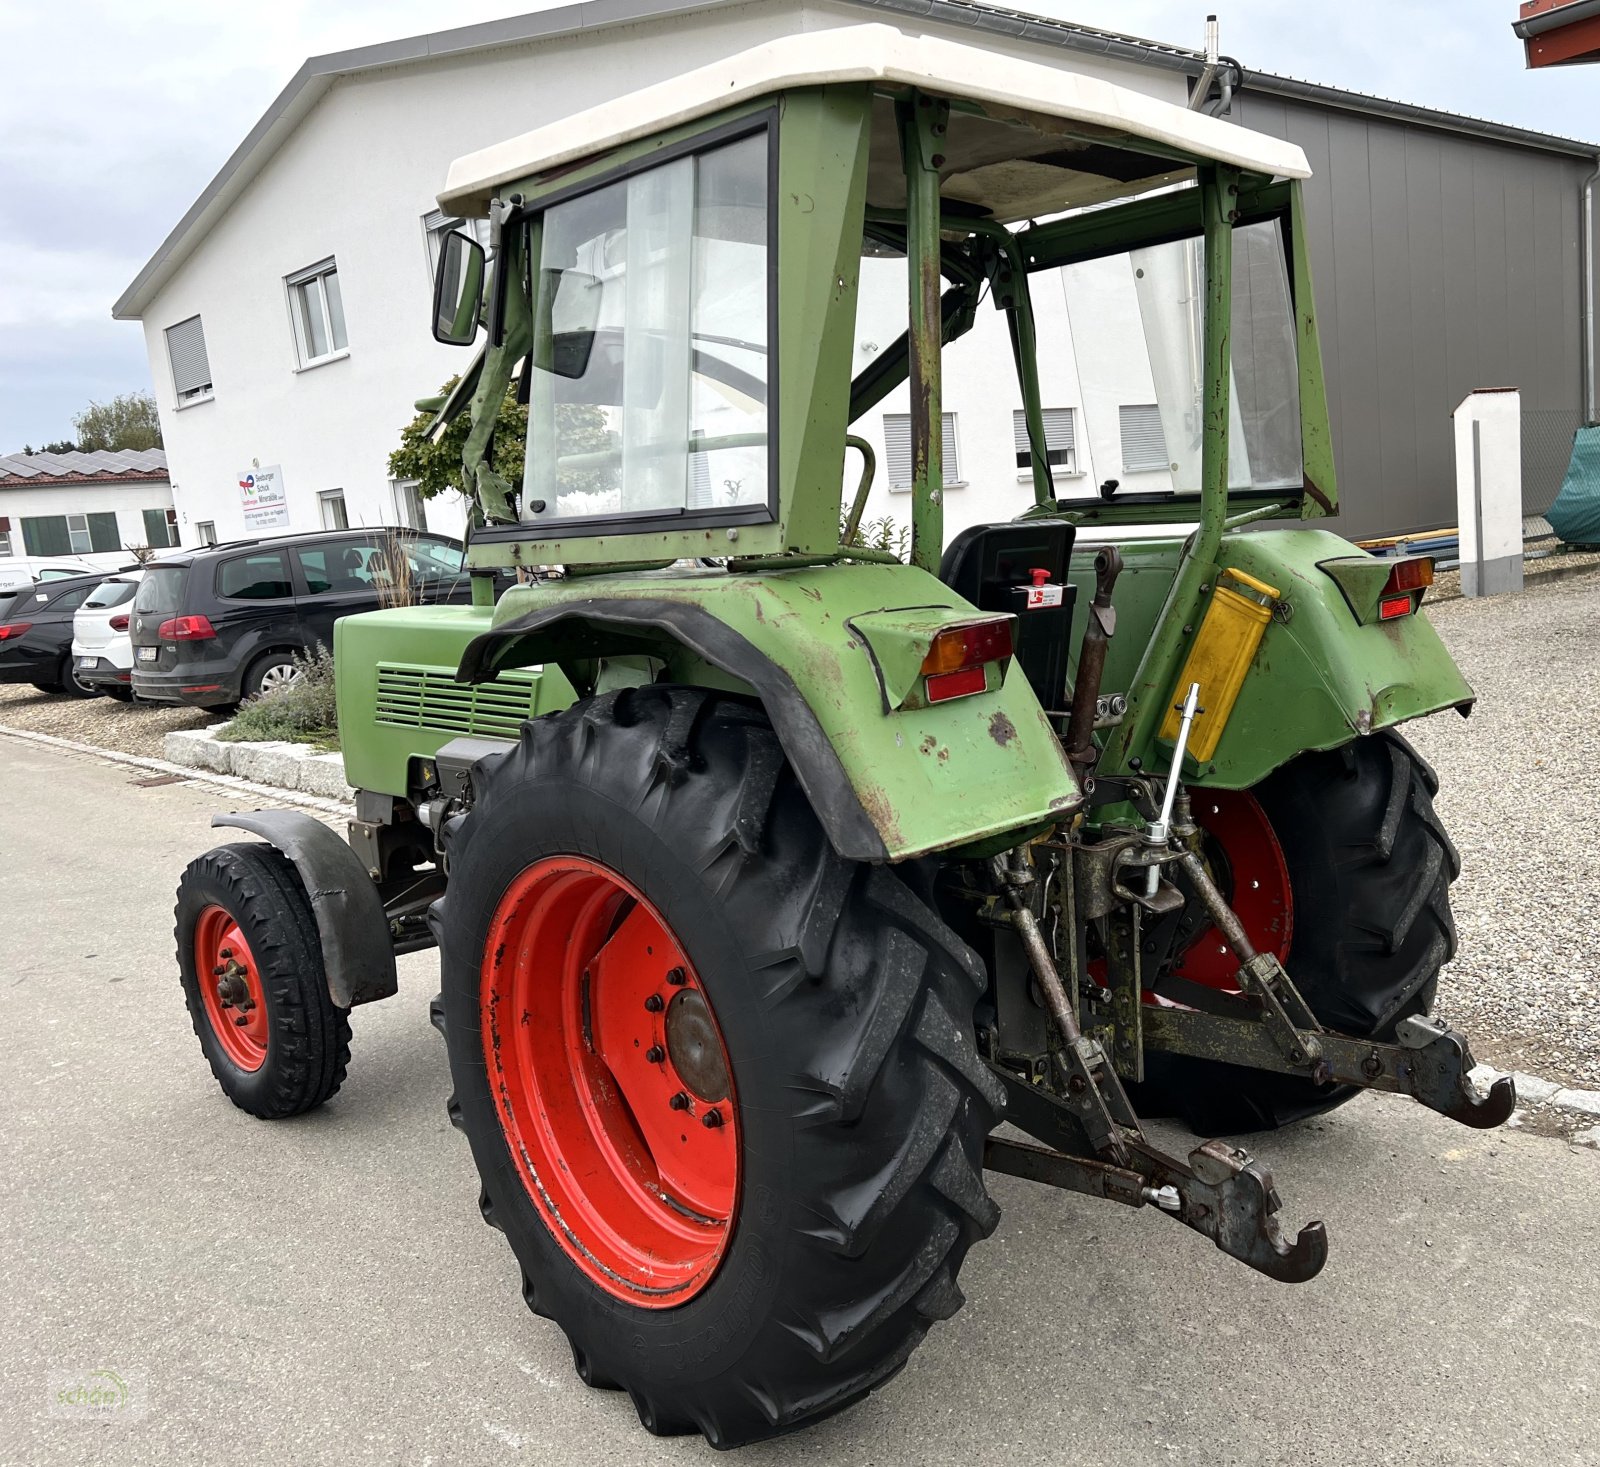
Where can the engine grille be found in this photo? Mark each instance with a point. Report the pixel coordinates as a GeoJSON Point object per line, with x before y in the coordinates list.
{"type": "Point", "coordinates": [420, 697]}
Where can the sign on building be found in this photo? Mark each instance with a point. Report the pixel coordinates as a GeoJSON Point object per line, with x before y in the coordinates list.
{"type": "Point", "coordinates": [266, 506]}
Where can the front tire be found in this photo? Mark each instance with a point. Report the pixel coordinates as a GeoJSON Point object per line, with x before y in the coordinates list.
{"type": "Point", "coordinates": [1369, 868]}
{"type": "Point", "coordinates": [665, 821]}
{"type": "Point", "coordinates": [250, 962]}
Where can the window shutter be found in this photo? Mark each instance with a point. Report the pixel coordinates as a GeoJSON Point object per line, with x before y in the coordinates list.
{"type": "Point", "coordinates": [186, 349]}
{"type": "Point", "coordinates": [1059, 433]}
{"type": "Point", "coordinates": [155, 526]}
{"type": "Point", "coordinates": [952, 460]}
{"type": "Point", "coordinates": [1144, 444]}
{"type": "Point", "coordinates": [103, 532]}
{"type": "Point", "coordinates": [897, 448]}
{"type": "Point", "coordinates": [46, 535]}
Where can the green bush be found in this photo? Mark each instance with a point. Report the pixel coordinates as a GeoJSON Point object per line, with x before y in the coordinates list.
{"type": "Point", "coordinates": [301, 712]}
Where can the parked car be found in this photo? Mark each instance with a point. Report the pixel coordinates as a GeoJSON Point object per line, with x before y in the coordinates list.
{"type": "Point", "coordinates": [222, 623]}
{"type": "Point", "coordinates": [19, 572]}
{"type": "Point", "coordinates": [102, 647]}
{"type": "Point", "coordinates": [36, 634]}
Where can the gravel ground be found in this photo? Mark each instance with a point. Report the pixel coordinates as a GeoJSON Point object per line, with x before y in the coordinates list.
{"type": "Point", "coordinates": [1516, 780]}
{"type": "Point", "coordinates": [108, 723]}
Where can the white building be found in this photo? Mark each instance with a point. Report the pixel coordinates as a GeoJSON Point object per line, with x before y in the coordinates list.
{"type": "Point", "coordinates": [95, 508]}
{"type": "Point", "coordinates": [286, 316]}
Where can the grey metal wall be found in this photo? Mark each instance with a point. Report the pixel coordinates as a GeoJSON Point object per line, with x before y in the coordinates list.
{"type": "Point", "coordinates": [1443, 262]}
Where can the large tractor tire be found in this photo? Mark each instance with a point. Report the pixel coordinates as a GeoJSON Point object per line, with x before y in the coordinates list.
{"type": "Point", "coordinates": [720, 1085]}
{"type": "Point", "coordinates": [1338, 864]}
{"type": "Point", "coordinates": [250, 962]}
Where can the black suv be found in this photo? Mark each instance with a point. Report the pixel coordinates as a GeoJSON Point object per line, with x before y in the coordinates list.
{"type": "Point", "coordinates": [222, 623]}
{"type": "Point", "coordinates": [36, 634]}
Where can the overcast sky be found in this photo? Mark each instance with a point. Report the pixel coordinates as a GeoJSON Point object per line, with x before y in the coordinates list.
{"type": "Point", "coordinates": [113, 117]}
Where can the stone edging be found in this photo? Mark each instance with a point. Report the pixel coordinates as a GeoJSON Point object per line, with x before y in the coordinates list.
{"type": "Point", "coordinates": [283, 765]}
{"type": "Point", "coordinates": [1536, 1093]}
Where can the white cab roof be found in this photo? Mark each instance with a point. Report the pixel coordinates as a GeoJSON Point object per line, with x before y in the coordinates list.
{"type": "Point", "coordinates": [1039, 96]}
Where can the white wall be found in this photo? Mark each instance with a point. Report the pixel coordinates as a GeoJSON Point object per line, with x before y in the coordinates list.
{"type": "Point", "coordinates": [354, 180]}
{"type": "Point", "coordinates": [126, 500]}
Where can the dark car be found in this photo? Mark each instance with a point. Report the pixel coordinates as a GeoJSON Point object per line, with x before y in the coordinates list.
{"type": "Point", "coordinates": [36, 634]}
{"type": "Point", "coordinates": [219, 624]}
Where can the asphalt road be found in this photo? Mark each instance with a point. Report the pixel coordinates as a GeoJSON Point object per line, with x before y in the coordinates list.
{"type": "Point", "coordinates": [323, 1290]}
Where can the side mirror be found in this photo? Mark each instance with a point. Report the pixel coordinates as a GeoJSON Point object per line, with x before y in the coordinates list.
{"type": "Point", "coordinates": [457, 290]}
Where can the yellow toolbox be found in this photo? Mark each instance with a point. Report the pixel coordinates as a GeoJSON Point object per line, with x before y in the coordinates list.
{"type": "Point", "coordinates": [1221, 655]}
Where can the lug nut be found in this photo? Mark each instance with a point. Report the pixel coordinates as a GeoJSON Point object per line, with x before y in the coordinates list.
{"type": "Point", "coordinates": [680, 1101]}
{"type": "Point", "coordinates": [655, 1054]}
{"type": "Point", "coordinates": [711, 1119]}
{"type": "Point", "coordinates": [219, 970]}
{"type": "Point", "coordinates": [677, 977]}
{"type": "Point", "coordinates": [241, 1021]}
{"type": "Point", "coordinates": [654, 1004]}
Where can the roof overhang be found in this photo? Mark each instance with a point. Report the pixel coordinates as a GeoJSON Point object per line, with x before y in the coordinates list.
{"type": "Point", "coordinates": [1559, 32]}
{"type": "Point", "coordinates": [877, 55]}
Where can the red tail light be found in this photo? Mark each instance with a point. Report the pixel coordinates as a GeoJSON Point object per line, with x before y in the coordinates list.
{"type": "Point", "coordinates": [956, 658]}
{"type": "Point", "coordinates": [1393, 606]}
{"type": "Point", "coordinates": [119, 623]}
{"type": "Point", "coordinates": [14, 629]}
{"type": "Point", "coordinates": [186, 629]}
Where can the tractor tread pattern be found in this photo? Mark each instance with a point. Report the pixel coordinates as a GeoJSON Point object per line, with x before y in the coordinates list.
{"type": "Point", "coordinates": [886, 1098]}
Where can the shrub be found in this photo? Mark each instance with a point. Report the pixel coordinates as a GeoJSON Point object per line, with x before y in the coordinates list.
{"type": "Point", "coordinates": [302, 712]}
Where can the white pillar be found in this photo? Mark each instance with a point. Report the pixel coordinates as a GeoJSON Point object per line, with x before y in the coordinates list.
{"type": "Point", "coordinates": [1488, 428]}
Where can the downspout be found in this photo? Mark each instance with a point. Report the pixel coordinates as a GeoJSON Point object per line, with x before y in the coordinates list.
{"type": "Point", "coordinates": [1589, 410]}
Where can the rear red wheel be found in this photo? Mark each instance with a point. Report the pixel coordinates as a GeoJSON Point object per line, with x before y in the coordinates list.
{"type": "Point", "coordinates": [230, 988]}
{"type": "Point", "coordinates": [612, 1081]}
{"type": "Point", "coordinates": [1247, 863]}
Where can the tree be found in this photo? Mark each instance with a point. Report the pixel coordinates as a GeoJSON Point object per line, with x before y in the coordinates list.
{"type": "Point", "coordinates": [436, 467]}
{"type": "Point", "coordinates": [62, 445]}
{"type": "Point", "coordinates": [128, 421]}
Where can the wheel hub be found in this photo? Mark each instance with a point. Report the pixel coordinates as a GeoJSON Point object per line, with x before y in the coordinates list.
{"type": "Point", "coordinates": [694, 1046]}
{"type": "Point", "coordinates": [233, 998]}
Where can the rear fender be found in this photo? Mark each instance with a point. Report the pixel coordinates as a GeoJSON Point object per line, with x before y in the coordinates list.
{"type": "Point", "coordinates": [357, 952]}
{"type": "Point", "coordinates": [1319, 679]}
{"type": "Point", "coordinates": [824, 650]}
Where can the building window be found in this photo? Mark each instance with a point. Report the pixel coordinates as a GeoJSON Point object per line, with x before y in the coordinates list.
{"type": "Point", "coordinates": [70, 534]}
{"type": "Point", "coordinates": [191, 367]}
{"type": "Point", "coordinates": [317, 310]}
{"type": "Point", "coordinates": [207, 531]}
{"type": "Point", "coordinates": [1060, 441]}
{"type": "Point", "coordinates": [408, 504]}
{"type": "Point", "coordinates": [334, 516]}
{"type": "Point", "coordinates": [160, 528]}
{"type": "Point", "coordinates": [5, 538]}
{"type": "Point", "coordinates": [897, 444]}
{"type": "Point", "coordinates": [1144, 444]}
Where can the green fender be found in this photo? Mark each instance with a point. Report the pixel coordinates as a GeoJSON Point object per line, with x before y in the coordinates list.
{"type": "Point", "coordinates": [1319, 678]}
{"type": "Point", "coordinates": [833, 653]}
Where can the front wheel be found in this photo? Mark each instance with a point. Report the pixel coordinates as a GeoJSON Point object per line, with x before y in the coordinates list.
{"type": "Point", "coordinates": [1338, 864]}
{"type": "Point", "coordinates": [720, 1085]}
{"type": "Point", "coordinates": [251, 966]}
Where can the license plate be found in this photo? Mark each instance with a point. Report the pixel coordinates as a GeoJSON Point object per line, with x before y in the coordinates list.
{"type": "Point", "coordinates": [87, 661]}
{"type": "Point", "coordinates": [148, 654]}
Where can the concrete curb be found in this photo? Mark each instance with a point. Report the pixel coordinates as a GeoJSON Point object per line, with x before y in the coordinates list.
{"type": "Point", "coordinates": [1536, 1093]}
{"type": "Point", "coordinates": [283, 765]}
{"type": "Point", "coordinates": [166, 766]}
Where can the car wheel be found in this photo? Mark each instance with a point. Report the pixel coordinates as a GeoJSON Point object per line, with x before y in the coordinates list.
{"type": "Point", "coordinates": [71, 685]}
{"type": "Point", "coordinates": [274, 670]}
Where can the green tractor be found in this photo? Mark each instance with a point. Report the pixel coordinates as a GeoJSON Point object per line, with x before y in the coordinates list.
{"type": "Point", "coordinates": [770, 873]}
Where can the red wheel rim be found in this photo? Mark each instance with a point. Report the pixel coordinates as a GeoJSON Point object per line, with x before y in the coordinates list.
{"type": "Point", "coordinates": [230, 988]}
{"type": "Point", "coordinates": [1255, 879]}
{"type": "Point", "coordinates": [611, 1081]}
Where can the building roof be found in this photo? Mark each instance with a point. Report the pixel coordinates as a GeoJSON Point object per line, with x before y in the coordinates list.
{"type": "Point", "coordinates": [1038, 96]}
{"type": "Point", "coordinates": [318, 74]}
{"type": "Point", "coordinates": [39, 470]}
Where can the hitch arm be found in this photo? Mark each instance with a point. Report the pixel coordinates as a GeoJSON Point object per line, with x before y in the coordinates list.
{"type": "Point", "coordinates": [1430, 1062]}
